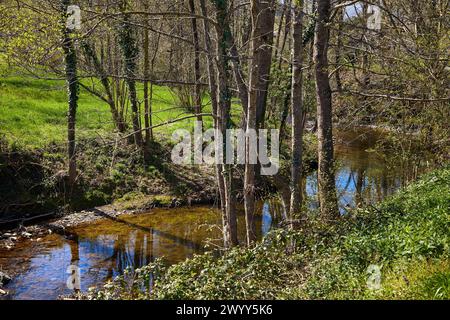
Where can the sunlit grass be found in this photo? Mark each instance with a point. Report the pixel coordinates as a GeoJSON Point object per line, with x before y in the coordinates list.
{"type": "Point", "coordinates": [33, 112]}
{"type": "Point", "coordinates": [417, 279]}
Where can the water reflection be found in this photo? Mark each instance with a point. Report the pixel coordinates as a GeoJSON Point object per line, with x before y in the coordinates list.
{"type": "Point", "coordinates": [104, 249]}
{"type": "Point", "coordinates": [266, 223]}
{"type": "Point", "coordinates": [362, 176]}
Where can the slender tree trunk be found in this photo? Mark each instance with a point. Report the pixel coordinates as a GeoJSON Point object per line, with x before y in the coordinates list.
{"type": "Point", "coordinates": [266, 22]}
{"type": "Point", "coordinates": [147, 123]}
{"type": "Point", "coordinates": [327, 188]}
{"type": "Point", "coordinates": [365, 55]}
{"type": "Point", "coordinates": [239, 78]}
{"type": "Point", "coordinates": [297, 111]}
{"type": "Point", "coordinates": [249, 178]}
{"type": "Point", "coordinates": [238, 73]}
{"type": "Point", "coordinates": [280, 28]}
{"type": "Point", "coordinates": [130, 53]}
{"type": "Point", "coordinates": [150, 101]}
{"type": "Point", "coordinates": [229, 221]}
{"type": "Point", "coordinates": [224, 121]}
{"type": "Point", "coordinates": [278, 53]}
{"type": "Point", "coordinates": [263, 19]}
{"type": "Point", "coordinates": [310, 73]}
{"type": "Point", "coordinates": [197, 74]}
{"type": "Point", "coordinates": [89, 51]}
{"type": "Point", "coordinates": [213, 93]}
{"type": "Point", "coordinates": [72, 88]}
{"type": "Point", "coordinates": [287, 28]}
{"type": "Point", "coordinates": [285, 111]}
{"type": "Point", "coordinates": [338, 51]}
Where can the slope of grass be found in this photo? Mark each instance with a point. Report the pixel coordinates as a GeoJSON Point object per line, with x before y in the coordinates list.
{"type": "Point", "coordinates": [406, 236]}
{"type": "Point", "coordinates": [33, 112]}
{"type": "Point", "coordinates": [33, 133]}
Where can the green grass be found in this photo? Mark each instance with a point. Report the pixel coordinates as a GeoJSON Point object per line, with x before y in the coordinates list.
{"type": "Point", "coordinates": [407, 236]}
{"type": "Point", "coordinates": [33, 112]}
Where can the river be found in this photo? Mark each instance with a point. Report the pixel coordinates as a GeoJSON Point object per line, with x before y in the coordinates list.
{"type": "Point", "coordinates": [103, 249]}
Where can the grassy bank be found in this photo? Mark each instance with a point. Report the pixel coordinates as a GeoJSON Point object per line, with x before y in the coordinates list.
{"type": "Point", "coordinates": [33, 181]}
{"type": "Point", "coordinates": [406, 236]}
{"type": "Point", "coordinates": [33, 157]}
{"type": "Point", "coordinates": [33, 112]}
{"type": "Point", "coordinates": [33, 129]}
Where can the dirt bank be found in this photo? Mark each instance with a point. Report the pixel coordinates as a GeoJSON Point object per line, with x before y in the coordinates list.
{"type": "Point", "coordinates": [61, 224]}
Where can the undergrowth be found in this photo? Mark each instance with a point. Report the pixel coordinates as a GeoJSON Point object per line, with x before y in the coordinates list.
{"type": "Point", "coordinates": [406, 237]}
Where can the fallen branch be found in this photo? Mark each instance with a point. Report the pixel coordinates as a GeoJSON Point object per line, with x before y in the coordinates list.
{"type": "Point", "coordinates": [169, 122]}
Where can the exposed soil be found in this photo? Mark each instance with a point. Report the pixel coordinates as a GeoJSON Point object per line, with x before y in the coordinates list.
{"type": "Point", "coordinates": [33, 187]}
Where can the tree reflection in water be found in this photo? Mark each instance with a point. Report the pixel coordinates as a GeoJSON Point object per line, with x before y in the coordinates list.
{"type": "Point", "coordinates": [106, 248]}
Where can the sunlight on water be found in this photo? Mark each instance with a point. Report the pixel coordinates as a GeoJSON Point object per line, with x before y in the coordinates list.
{"type": "Point", "coordinates": [105, 248]}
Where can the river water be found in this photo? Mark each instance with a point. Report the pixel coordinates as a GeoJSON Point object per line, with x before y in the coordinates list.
{"type": "Point", "coordinates": [103, 249]}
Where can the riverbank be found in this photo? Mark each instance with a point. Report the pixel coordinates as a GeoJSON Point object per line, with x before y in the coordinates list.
{"type": "Point", "coordinates": [34, 187]}
{"type": "Point", "coordinates": [33, 152]}
{"type": "Point", "coordinates": [398, 249]}
{"type": "Point", "coordinates": [35, 200]}
{"type": "Point", "coordinates": [33, 183]}
{"type": "Point", "coordinates": [61, 225]}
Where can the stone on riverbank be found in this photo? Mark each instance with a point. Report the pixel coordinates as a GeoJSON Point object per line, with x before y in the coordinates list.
{"type": "Point", "coordinates": [4, 279]}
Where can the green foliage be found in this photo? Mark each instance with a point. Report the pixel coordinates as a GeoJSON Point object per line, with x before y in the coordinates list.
{"type": "Point", "coordinates": [29, 37]}
{"type": "Point", "coordinates": [407, 236]}
{"type": "Point", "coordinates": [237, 274]}
{"type": "Point", "coordinates": [417, 279]}
{"type": "Point", "coordinates": [37, 177]}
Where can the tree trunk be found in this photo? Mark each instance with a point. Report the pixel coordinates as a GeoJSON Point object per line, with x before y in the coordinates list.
{"type": "Point", "coordinates": [263, 19]}
{"type": "Point", "coordinates": [213, 93]}
{"type": "Point", "coordinates": [249, 178]}
{"type": "Point", "coordinates": [280, 28]}
{"type": "Point", "coordinates": [326, 188]}
{"type": "Point", "coordinates": [229, 225]}
{"type": "Point", "coordinates": [365, 55]}
{"type": "Point", "coordinates": [130, 54]}
{"type": "Point", "coordinates": [89, 51]}
{"type": "Point", "coordinates": [277, 54]}
{"type": "Point", "coordinates": [72, 88]}
{"type": "Point", "coordinates": [209, 58]}
{"type": "Point", "coordinates": [297, 112]}
{"type": "Point", "coordinates": [197, 75]}
{"type": "Point", "coordinates": [239, 78]}
{"type": "Point", "coordinates": [147, 111]}
{"type": "Point", "coordinates": [223, 122]}
{"type": "Point", "coordinates": [287, 28]}
{"type": "Point", "coordinates": [266, 21]}
{"type": "Point", "coordinates": [338, 50]}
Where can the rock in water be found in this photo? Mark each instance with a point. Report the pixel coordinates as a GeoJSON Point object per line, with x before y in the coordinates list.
{"type": "Point", "coordinates": [4, 279]}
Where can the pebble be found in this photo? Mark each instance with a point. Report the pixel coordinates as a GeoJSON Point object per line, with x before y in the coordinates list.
{"type": "Point", "coordinates": [4, 278]}
{"type": "Point", "coordinates": [9, 246]}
